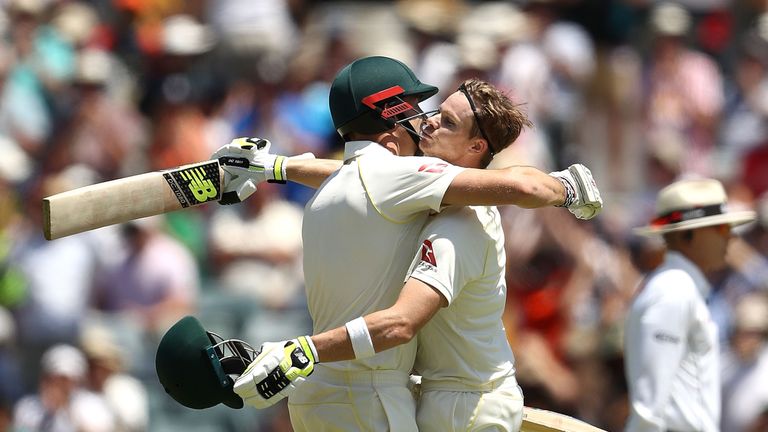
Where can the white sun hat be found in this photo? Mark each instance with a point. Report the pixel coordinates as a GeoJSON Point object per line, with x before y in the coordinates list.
{"type": "Point", "coordinates": [670, 19]}
{"type": "Point", "coordinates": [752, 313]}
{"type": "Point", "coordinates": [690, 204]}
{"type": "Point", "coordinates": [184, 35]}
{"type": "Point", "coordinates": [93, 66]}
{"type": "Point", "coordinates": [64, 360]}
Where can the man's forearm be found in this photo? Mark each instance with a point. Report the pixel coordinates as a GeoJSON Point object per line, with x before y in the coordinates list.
{"type": "Point", "coordinates": [333, 345]}
{"type": "Point", "coordinates": [311, 172]}
{"type": "Point", "coordinates": [388, 328]}
{"type": "Point", "coordinates": [523, 186]}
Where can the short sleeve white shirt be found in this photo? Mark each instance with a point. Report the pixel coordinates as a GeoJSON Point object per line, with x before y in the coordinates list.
{"type": "Point", "coordinates": [462, 256]}
{"type": "Point", "coordinates": [359, 232]}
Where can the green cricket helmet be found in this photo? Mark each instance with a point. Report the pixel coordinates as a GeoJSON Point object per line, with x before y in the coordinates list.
{"type": "Point", "coordinates": [366, 95]}
{"type": "Point", "coordinates": [194, 365]}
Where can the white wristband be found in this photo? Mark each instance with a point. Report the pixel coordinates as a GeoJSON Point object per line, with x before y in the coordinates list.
{"type": "Point", "coordinates": [360, 338]}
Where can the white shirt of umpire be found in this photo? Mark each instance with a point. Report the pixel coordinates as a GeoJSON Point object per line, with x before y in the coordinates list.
{"type": "Point", "coordinates": [462, 256]}
{"type": "Point", "coordinates": [671, 352]}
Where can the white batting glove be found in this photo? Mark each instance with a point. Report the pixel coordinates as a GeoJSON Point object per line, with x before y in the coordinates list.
{"type": "Point", "coordinates": [248, 162]}
{"type": "Point", "coordinates": [277, 371]}
{"type": "Point", "coordinates": [582, 196]}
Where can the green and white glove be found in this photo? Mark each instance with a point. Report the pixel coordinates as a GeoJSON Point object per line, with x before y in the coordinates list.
{"type": "Point", "coordinates": [582, 198]}
{"type": "Point", "coordinates": [246, 163]}
{"type": "Point", "coordinates": [277, 371]}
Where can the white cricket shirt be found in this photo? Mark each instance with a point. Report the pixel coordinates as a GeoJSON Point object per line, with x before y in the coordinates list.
{"type": "Point", "coordinates": [671, 352]}
{"type": "Point", "coordinates": [359, 233]}
{"type": "Point", "coordinates": [462, 256]}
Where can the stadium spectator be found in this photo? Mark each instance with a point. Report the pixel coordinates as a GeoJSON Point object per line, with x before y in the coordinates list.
{"type": "Point", "coordinates": [61, 404]}
{"type": "Point", "coordinates": [745, 365]}
{"type": "Point", "coordinates": [683, 93]}
{"type": "Point", "coordinates": [267, 270]}
{"type": "Point", "coordinates": [125, 396]}
{"type": "Point", "coordinates": [154, 283]}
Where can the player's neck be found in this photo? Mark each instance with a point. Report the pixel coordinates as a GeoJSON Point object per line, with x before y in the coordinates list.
{"type": "Point", "coordinates": [468, 160]}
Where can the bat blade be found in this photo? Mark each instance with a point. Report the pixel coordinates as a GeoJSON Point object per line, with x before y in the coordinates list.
{"type": "Point", "coordinates": [130, 198]}
{"type": "Point", "coordinates": [538, 420]}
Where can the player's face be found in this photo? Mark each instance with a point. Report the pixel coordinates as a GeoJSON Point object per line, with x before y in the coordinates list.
{"type": "Point", "coordinates": [446, 135]}
{"type": "Point", "coordinates": [406, 145]}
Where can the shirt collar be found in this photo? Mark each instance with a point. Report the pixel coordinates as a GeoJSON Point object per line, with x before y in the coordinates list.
{"type": "Point", "coordinates": [353, 149]}
{"type": "Point", "coordinates": [677, 260]}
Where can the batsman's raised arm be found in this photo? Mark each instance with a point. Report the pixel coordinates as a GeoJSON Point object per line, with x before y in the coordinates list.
{"type": "Point", "coordinates": [247, 162]}
{"type": "Point", "coordinates": [311, 172]}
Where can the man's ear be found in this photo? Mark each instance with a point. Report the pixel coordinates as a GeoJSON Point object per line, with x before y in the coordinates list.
{"type": "Point", "coordinates": [478, 145]}
{"type": "Point", "coordinates": [392, 146]}
{"type": "Point", "coordinates": [391, 141]}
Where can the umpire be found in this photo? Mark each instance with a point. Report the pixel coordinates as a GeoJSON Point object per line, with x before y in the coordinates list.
{"type": "Point", "coordinates": [671, 350]}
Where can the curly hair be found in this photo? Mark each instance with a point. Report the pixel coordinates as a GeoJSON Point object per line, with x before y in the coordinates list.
{"type": "Point", "coordinates": [501, 119]}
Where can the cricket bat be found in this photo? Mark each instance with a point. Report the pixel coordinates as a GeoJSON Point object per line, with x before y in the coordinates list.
{"type": "Point", "coordinates": [538, 420]}
{"type": "Point", "coordinates": [130, 198]}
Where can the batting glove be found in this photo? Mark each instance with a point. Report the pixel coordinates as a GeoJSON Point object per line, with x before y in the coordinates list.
{"type": "Point", "coordinates": [277, 371]}
{"type": "Point", "coordinates": [246, 163]}
{"type": "Point", "coordinates": [582, 198]}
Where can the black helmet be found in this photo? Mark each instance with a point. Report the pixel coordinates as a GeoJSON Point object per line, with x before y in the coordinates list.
{"type": "Point", "coordinates": [363, 91]}
{"type": "Point", "coordinates": [194, 365]}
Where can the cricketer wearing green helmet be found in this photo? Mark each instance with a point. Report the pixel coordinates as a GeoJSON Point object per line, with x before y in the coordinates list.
{"type": "Point", "coordinates": [368, 96]}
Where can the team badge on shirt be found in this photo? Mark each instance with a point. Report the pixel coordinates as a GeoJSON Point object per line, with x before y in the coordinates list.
{"type": "Point", "coordinates": [436, 167]}
{"type": "Point", "coordinates": [428, 253]}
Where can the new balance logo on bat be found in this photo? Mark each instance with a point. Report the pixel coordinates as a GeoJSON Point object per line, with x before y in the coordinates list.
{"type": "Point", "coordinates": [201, 187]}
{"type": "Point", "coordinates": [196, 184]}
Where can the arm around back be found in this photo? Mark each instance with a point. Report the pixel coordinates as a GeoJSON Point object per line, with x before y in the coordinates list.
{"type": "Point", "coordinates": [523, 186]}
{"type": "Point", "coordinates": [282, 367]}
{"type": "Point", "coordinates": [417, 304]}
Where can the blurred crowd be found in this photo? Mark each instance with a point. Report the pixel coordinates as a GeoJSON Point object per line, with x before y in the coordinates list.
{"type": "Point", "coordinates": [642, 92]}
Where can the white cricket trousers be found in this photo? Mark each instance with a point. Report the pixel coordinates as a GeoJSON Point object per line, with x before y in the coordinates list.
{"type": "Point", "coordinates": [446, 406]}
{"type": "Point", "coordinates": [334, 401]}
